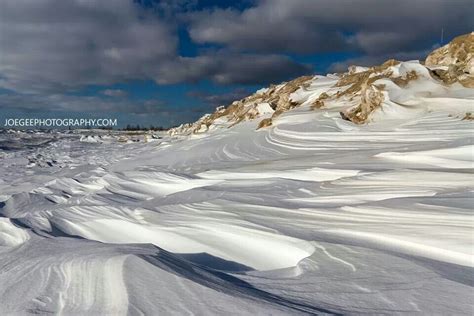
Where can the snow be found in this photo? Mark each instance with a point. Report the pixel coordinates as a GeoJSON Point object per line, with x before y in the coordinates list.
{"type": "Point", "coordinates": [457, 157]}
{"type": "Point", "coordinates": [264, 108]}
{"type": "Point", "coordinates": [10, 235]}
{"type": "Point", "coordinates": [312, 215]}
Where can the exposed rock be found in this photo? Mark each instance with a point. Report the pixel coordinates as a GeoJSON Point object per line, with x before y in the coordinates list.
{"type": "Point", "coordinates": [362, 86]}
{"type": "Point", "coordinates": [449, 64]}
{"type": "Point", "coordinates": [281, 99]}
{"type": "Point", "coordinates": [276, 97]}
{"type": "Point", "coordinates": [357, 79]}
{"type": "Point", "coordinates": [457, 59]}
{"type": "Point", "coordinates": [319, 103]}
{"type": "Point", "coordinates": [403, 81]}
{"type": "Point", "coordinates": [457, 52]}
{"type": "Point", "coordinates": [371, 99]}
{"type": "Point", "coordinates": [264, 123]}
{"type": "Point", "coordinates": [468, 117]}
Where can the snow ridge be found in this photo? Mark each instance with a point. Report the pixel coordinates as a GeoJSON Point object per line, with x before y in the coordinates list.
{"type": "Point", "coordinates": [311, 212]}
{"type": "Point", "coordinates": [362, 94]}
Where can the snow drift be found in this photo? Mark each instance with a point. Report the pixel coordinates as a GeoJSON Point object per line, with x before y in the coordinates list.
{"type": "Point", "coordinates": [340, 194]}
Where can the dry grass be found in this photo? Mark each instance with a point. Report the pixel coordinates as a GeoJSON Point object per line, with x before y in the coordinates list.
{"type": "Point", "coordinates": [371, 99]}
{"type": "Point", "coordinates": [458, 57]}
{"type": "Point", "coordinates": [357, 80]}
{"type": "Point", "coordinates": [353, 86]}
{"type": "Point", "coordinates": [468, 117]}
{"type": "Point", "coordinates": [403, 81]}
{"type": "Point", "coordinates": [278, 97]}
{"type": "Point", "coordinates": [264, 123]}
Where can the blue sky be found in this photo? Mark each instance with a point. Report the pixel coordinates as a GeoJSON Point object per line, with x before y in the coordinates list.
{"type": "Point", "coordinates": [167, 62]}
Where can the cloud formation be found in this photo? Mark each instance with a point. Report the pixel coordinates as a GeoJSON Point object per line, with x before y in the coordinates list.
{"type": "Point", "coordinates": [73, 103]}
{"type": "Point", "coordinates": [371, 60]}
{"type": "Point", "coordinates": [116, 93]}
{"type": "Point", "coordinates": [56, 45]}
{"type": "Point", "coordinates": [230, 68]}
{"type": "Point", "coordinates": [312, 26]}
{"type": "Point", "coordinates": [50, 48]}
{"type": "Point", "coordinates": [214, 100]}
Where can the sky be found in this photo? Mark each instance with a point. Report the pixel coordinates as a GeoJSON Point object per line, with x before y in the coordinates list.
{"type": "Point", "coordinates": [164, 63]}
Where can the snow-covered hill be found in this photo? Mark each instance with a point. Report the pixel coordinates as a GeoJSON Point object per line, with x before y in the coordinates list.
{"type": "Point", "coordinates": [392, 91]}
{"type": "Point", "coordinates": [342, 194]}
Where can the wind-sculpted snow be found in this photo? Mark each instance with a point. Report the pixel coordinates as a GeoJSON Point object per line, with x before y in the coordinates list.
{"type": "Point", "coordinates": [393, 90]}
{"type": "Point", "coordinates": [10, 235]}
{"type": "Point", "coordinates": [312, 214]}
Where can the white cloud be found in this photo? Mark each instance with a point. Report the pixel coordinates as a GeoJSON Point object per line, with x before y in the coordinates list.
{"type": "Point", "coordinates": [116, 93]}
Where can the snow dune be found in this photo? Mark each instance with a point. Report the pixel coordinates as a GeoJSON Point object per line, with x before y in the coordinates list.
{"type": "Point", "coordinates": [311, 215]}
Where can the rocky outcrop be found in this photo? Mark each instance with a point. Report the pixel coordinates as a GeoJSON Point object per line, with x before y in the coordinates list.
{"type": "Point", "coordinates": [360, 85]}
{"type": "Point", "coordinates": [264, 123]}
{"type": "Point", "coordinates": [273, 100]}
{"type": "Point", "coordinates": [458, 52]}
{"type": "Point", "coordinates": [371, 99]}
{"type": "Point", "coordinates": [454, 61]}
{"type": "Point", "coordinates": [468, 117]}
{"type": "Point", "coordinates": [450, 64]}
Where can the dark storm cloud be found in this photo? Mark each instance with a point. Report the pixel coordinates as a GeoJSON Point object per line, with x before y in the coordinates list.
{"type": "Point", "coordinates": [214, 100]}
{"type": "Point", "coordinates": [229, 68]}
{"type": "Point", "coordinates": [56, 45]}
{"type": "Point", "coordinates": [311, 26]}
{"type": "Point", "coordinates": [73, 103]}
{"type": "Point", "coordinates": [371, 60]}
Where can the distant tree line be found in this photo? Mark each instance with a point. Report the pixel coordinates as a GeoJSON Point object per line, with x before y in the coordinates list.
{"type": "Point", "coordinates": [137, 127]}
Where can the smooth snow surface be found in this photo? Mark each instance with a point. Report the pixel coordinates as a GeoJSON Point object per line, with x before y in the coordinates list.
{"type": "Point", "coordinates": [312, 215]}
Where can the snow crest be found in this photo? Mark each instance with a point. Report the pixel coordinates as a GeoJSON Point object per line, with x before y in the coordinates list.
{"type": "Point", "coordinates": [354, 197]}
